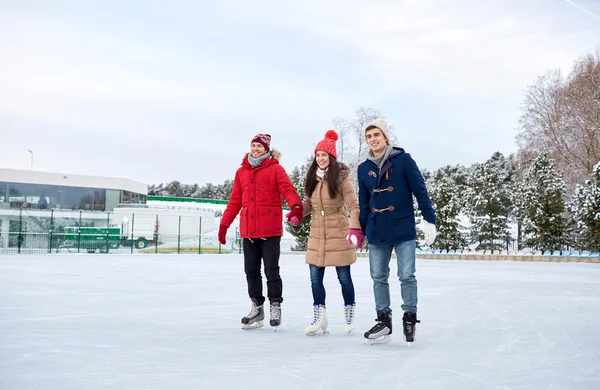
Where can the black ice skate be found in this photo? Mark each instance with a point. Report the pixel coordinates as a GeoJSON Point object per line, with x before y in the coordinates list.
{"type": "Point", "coordinates": [255, 318]}
{"type": "Point", "coordinates": [275, 315]}
{"type": "Point", "coordinates": [409, 320]}
{"type": "Point", "coordinates": [381, 332]}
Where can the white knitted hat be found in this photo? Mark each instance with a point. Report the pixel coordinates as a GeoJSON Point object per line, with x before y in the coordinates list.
{"type": "Point", "coordinates": [381, 124]}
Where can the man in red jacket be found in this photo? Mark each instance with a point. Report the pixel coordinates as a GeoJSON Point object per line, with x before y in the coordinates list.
{"type": "Point", "coordinates": [259, 185]}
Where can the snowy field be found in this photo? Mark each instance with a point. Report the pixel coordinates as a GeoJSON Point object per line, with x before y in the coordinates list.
{"type": "Point", "coordinates": [173, 322]}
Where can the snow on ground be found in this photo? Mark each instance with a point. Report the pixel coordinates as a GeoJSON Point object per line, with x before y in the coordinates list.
{"type": "Point", "coordinates": [172, 322]}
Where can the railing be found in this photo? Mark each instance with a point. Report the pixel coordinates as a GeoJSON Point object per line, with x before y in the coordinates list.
{"type": "Point", "coordinates": [145, 232]}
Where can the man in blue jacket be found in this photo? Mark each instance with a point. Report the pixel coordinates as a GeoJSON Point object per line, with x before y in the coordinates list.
{"type": "Point", "coordinates": [388, 179]}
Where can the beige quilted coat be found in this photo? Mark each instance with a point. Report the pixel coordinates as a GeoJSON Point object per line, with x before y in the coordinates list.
{"type": "Point", "coordinates": [327, 243]}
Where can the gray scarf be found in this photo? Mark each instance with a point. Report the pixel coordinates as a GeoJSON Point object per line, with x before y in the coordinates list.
{"type": "Point", "coordinates": [379, 161]}
{"type": "Point", "coordinates": [258, 160]}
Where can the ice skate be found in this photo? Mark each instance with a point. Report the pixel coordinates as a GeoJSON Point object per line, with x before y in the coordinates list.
{"type": "Point", "coordinates": [381, 332]}
{"type": "Point", "coordinates": [349, 312]}
{"type": "Point", "coordinates": [275, 315]}
{"type": "Point", "coordinates": [255, 318]}
{"type": "Point", "coordinates": [409, 320]}
{"type": "Point", "coordinates": [319, 321]}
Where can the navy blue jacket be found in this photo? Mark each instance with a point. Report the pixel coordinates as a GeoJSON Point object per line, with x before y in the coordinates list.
{"type": "Point", "coordinates": [385, 198]}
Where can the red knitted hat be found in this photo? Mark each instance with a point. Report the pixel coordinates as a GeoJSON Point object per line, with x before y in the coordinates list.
{"type": "Point", "coordinates": [263, 139]}
{"type": "Point", "coordinates": [327, 144]}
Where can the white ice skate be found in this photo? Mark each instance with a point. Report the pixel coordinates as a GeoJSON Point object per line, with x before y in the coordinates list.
{"type": "Point", "coordinates": [349, 313]}
{"type": "Point", "coordinates": [255, 318]}
{"type": "Point", "coordinates": [254, 325]}
{"type": "Point", "coordinates": [319, 321]}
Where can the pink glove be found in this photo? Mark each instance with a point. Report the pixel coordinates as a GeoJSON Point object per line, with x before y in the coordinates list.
{"type": "Point", "coordinates": [356, 237]}
{"type": "Point", "coordinates": [295, 216]}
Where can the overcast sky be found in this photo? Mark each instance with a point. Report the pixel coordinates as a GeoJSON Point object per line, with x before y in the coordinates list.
{"type": "Point", "coordinates": [175, 90]}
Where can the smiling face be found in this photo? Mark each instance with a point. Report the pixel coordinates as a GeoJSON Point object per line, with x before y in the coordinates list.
{"type": "Point", "coordinates": [257, 149]}
{"type": "Point", "coordinates": [322, 159]}
{"type": "Point", "coordinates": [376, 140]}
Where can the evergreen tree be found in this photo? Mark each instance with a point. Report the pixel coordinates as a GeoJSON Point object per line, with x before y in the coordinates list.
{"type": "Point", "coordinates": [489, 203]}
{"type": "Point", "coordinates": [418, 217]}
{"type": "Point", "coordinates": [543, 191]}
{"type": "Point", "coordinates": [300, 232]}
{"type": "Point", "coordinates": [174, 188]}
{"type": "Point", "coordinates": [585, 207]}
{"type": "Point", "coordinates": [227, 187]}
{"type": "Point", "coordinates": [519, 202]}
{"type": "Point", "coordinates": [444, 189]}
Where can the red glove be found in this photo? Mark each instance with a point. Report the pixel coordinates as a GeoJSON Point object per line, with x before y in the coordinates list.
{"type": "Point", "coordinates": [222, 234]}
{"type": "Point", "coordinates": [295, 216]}
{"type": "Point", "coordinates": [358, 237]}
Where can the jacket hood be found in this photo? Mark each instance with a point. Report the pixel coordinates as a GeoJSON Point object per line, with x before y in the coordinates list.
{"type": "Point", "coordinates": [344, 172]}
{"type": "Point", "coordinates": [396, 151]}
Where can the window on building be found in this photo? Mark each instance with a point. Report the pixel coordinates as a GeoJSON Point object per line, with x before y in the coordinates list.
{"type": "Point", "coordinates": [39, 196]}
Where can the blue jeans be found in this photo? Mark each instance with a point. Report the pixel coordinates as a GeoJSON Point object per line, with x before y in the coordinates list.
{"type": "Point", "coordinates": [379, 261]}
{"type": "Point", "coordinates": [318, 289]}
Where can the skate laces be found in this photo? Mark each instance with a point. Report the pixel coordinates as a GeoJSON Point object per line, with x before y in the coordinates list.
{"type": "Point", "coordinates": [349, 311]}
{"type": "Point", "coordinates": [316, 314]}
{"type": "Point", "coordinates": [378, 326]}
{"type": "Point", "coordinates": [253, 311]}
{"type": "Point", "coordinates": [275, 312]}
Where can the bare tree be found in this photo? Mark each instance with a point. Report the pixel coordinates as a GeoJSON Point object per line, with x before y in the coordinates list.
{"type": "Point", "coordinates": [340, 125]}
{"type": "Point", "coordinates": [363, 116]}
{"type": "Point", "coordinates": [562, 115]}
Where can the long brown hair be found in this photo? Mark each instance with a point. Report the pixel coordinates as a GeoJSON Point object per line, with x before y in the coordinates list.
{"type": "Point", "coordinates": [333, 173]}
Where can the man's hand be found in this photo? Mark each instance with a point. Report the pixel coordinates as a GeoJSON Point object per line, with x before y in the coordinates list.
{"type": "Point", "coordinates": [222, 234]}
{"type": "Point", "coordinates": [294, 217]}
{"type": "Point", "coordinates": [430, 232]}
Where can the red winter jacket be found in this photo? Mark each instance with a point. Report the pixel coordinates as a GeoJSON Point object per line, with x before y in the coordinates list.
{"type": "Point", "coordinates": [258, 192]}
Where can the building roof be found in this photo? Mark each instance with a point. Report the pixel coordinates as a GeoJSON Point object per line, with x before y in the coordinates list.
{"type": "Point", "coordinates": [71, 180]}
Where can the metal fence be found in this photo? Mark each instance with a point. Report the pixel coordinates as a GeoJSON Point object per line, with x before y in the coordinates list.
{"type": "Point", "coordinates": [162, 231]}
{"type": "Point", "coordinates": [151, 231]}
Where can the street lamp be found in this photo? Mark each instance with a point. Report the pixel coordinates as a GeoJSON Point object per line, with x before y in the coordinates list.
{"type": "Point", "coordinates": [31, 159]}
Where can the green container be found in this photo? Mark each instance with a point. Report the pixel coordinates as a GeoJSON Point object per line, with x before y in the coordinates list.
{"type": "Point", "coordinates": [92, 239]}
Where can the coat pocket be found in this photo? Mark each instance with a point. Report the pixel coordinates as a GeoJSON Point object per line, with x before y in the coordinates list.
{"type": "Point", "coordinates": [271, 222]}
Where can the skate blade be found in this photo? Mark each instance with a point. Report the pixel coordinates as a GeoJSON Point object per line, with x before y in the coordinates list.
{"type": "Point", "coordinates": [381, 340]}
{"type": "Point", "coordinates": [254, 325]}
{"type": "Point", "coordinates": [348, 331]}
{"type": "Point", "coordinates": [319, 332]}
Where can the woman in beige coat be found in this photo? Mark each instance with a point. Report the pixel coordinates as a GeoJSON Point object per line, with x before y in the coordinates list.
{"type": "Point", "coordinates": [333, 236]}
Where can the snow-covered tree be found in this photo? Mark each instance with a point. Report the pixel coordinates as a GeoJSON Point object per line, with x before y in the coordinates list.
{"type": "Point", "coordinates": [585, 207]}
{"type": "Point", "coordinates": [352, 146]}
{"type": "Point", "coordinates": [542, 205]}
{"type": "Point", "coordinates": [207, 191]}
{"type": "Point", "coordinates": [444, 189]}
{"type": "Point", "coordinates": [488, 201]}
{"type": "Point", "coordinates": [300, 232]}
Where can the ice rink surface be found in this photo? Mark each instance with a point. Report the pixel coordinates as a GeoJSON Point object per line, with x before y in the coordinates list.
{"type": "Point", "coordinates": [173, 322]}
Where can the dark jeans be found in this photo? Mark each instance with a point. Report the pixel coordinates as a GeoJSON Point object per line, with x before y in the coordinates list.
{"type": "Point", "coordinates": [318, 289]}
{"type": "Point", "coordinates": [268, 250]}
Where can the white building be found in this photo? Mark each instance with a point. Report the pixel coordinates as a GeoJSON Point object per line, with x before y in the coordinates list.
{"type": "Point", "coordinates": [44, 198]}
